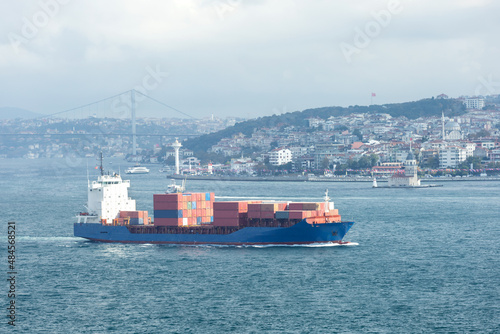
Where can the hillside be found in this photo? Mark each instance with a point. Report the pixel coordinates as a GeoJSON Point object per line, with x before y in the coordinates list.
{"type": "Point", "coordinates": [12, 113]}
{"type": "Point", "coordinates": [410, 110]}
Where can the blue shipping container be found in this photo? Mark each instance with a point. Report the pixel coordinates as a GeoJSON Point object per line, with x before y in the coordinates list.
{"type": "Point", "coordinates": [207, 196]}
{"type": "Point", "coordinates": [168, 213]}
{"type": "Point", "coordinates": [136, 221]}
{"type": "Point", "coordinates": [282, 214]}
{"type": "Point", "coordinates": [193, 206]}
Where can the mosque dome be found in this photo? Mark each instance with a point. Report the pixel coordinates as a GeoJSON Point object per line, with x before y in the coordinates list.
{"type": "Point", "coordinates": [452, 126]}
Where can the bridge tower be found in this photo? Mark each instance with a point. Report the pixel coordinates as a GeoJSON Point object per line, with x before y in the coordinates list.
{"type": "Point", "coordinates": [134, 134]}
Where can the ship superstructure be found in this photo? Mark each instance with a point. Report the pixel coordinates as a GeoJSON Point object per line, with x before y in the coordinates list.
{"type": "Point", "coordinates": [106, 197]}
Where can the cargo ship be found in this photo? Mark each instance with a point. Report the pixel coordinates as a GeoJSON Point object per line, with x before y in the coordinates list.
{"type": "Point", "coordinates": [196, 218]}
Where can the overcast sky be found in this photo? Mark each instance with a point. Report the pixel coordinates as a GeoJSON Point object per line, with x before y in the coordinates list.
{"type": "Point", "coordinates": [246, 58]}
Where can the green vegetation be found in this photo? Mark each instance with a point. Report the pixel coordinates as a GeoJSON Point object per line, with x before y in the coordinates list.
{"type": "Point", "coordinates": [410, 110]}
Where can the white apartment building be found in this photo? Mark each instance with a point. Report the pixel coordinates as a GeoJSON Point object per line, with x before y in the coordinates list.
{"type": "Point", "coordinates": [451, 156]}
{"type": "Point", "coordinates": [469, 149]}
{"type": "Point", "coordinates": [474, 103]}
{"type": "Point", "coordinates": [280, 156]}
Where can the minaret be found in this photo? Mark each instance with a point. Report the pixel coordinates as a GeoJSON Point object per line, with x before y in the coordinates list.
{"type": "Point", "coordinates": [442, 124]}
{"type": "Point", "coordinates": [176, 147]}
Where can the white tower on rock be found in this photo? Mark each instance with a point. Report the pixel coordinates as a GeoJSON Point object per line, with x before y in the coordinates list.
{"type": "Point", "coordinates": [176, 145]}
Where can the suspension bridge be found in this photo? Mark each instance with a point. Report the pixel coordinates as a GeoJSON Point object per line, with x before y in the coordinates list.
{"type": "Point", "coordinates": [119, 106]}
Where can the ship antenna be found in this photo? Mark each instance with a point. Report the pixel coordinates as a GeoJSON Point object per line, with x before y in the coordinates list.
{"type": "Point", "coordinates": [327, 200]}
{"type": "Point", "coordinates": [101, 167]}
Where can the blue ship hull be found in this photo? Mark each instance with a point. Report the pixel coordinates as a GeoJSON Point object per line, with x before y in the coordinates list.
{"type": "Point", "coordinates": [300, 233]}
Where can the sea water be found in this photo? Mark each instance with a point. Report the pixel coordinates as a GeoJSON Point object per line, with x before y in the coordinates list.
{"type": "Point", "coordinates": [421, 261]}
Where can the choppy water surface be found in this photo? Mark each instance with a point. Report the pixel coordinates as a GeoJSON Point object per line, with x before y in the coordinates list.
{"type": "Point", "coordinates": [422, 260]}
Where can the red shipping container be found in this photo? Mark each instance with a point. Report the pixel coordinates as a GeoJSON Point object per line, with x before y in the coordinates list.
{"type": "Point", "coordinates": [226, 214]}
{"type": "Point", "coordinates": [297, 214]}
{"type": "Point", "coordinates": [310, 206]}
{"type": "Point", "coordinates": [253, 214]}
{"type": "Point", "coordinates": [231, 206]}
{"type": "Point", "coordinates": [254, 207]}
{"type": "Point", "coordinates": [267, 214]}
{"type": "Point", "coordinates": [294, 206]}
{"type": "Point", "coordinates": [269, 207]}
{"type": "Point", "coordinates": [167, 205]}
{"type": "Point", "coordinates": [167, 197]}
{"type": "Point", "coordinates": [168, 222]}
{"type": "Point", "coordinates": [226, 222]}
{"type": "Point", "coordinates": [212, 197]}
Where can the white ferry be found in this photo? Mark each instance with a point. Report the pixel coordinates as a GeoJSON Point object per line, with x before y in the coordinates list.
{"type": "Point", "coordinates": [137, 170]}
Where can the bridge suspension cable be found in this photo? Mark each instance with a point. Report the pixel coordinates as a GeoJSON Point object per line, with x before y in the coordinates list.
{"type": "Point", "coordinates": [113, 97]}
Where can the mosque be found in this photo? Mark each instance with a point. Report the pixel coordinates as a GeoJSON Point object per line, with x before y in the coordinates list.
{"type": "Point", "coordinates": [451, 131]}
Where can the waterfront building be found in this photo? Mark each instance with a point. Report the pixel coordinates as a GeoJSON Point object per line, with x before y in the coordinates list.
{"type": "Point", "coordinates": [409, 178]}
{"type": "Point", "coordinates": [280, 156]}
{"type": "Point", "coordinates": [452, 156]}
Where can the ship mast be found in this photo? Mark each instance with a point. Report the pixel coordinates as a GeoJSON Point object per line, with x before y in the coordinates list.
{"type": "Point", "coordinates": [100, 164]}
{"type": "Point", "coordinates": [327, 200]}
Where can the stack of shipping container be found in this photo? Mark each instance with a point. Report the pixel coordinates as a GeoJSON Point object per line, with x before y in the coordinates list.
{"type": "Point", "coordinates": [265, 210]}
{"type": "Point", "coordinates": [230, 213]}
{"type": "Point", "coordinates": [183, 209]}
{"type": "Point", "coordinates": [132, 218]}
{"type": "Point", "coordinates": [191, 209]}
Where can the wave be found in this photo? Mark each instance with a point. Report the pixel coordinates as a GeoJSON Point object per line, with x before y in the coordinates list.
{"type": "Point", "coordinates": [29, 238]}
{"type": "Point", "coordinates": [316, 245]}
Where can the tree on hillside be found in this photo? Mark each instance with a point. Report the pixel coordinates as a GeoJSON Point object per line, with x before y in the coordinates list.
{"type": "Point", "coordinates": [358, 134]}
{"type": "Point", "coordinates": [341, 127]}
{"type": "Point", "coordinates": [481, 134]}
{"type": "Point", "coordinates": [325, 163]}
{"type": "Point", "coordinates": [475, 161]}
{"type": "Point", "coordinates": [432, 162]}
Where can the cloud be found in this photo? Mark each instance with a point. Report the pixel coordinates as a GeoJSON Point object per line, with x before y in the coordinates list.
{"type": "Point", "coordinates": [246, 57]}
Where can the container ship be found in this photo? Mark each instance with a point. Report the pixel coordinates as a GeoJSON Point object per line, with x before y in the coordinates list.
{"type": "Point", "coordinates": [196, 218]}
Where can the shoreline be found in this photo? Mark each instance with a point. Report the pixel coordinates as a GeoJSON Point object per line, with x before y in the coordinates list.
{"type": "Point", "coordinates": [319, 179]}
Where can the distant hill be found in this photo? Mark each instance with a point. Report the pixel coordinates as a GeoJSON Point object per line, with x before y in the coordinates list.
{"type": "Point", "coordinates": [410, 110]}
{"type": "Point", "coordinates": [12, 113]}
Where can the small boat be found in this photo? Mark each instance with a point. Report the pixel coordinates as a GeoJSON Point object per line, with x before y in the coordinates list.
{"type": "Point", "coordinates": [137, 170]}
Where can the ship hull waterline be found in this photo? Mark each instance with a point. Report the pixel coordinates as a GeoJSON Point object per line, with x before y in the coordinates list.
{"type": "Point", "coordinates": [298, 234]}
